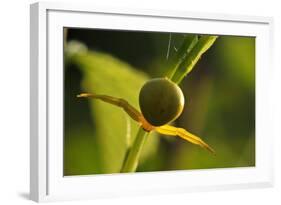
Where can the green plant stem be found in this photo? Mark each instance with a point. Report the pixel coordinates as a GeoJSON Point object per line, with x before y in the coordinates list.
{"type": "Point", "coordinates": [132, 159]}
{"type": "Point", "coordinates": [203, 44]}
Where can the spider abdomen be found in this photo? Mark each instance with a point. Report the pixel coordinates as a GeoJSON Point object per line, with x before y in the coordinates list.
{"type": "Point", "coordinates": [161, 101]}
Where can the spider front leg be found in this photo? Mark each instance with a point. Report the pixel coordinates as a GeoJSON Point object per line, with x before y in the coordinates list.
{"type": "Point", "coordinates": [129, 109]}
{"type": "Point", "coordinates": [175, 131]}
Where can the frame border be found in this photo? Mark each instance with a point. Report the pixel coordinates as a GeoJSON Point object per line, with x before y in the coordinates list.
{"type": "Point", "coordinates": [39, 77]}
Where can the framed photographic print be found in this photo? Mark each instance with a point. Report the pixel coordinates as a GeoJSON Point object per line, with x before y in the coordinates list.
{"type": "Point", "coordinates": [127, 102]}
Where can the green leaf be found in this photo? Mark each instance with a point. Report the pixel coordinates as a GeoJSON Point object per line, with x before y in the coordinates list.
{"type": "Point", "coordinates": [186, 65]}
{"type": "Point", "coordinates": [188, 43]}
{"type": "Point", "coordinates": [104, 74]}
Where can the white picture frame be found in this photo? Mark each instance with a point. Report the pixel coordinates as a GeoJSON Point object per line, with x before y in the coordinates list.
{"type": "Point", "coordinates": [47, 182]}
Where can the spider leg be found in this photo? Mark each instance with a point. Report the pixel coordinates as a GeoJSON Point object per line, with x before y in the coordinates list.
{"type": "Point", "coordinates": [175, 131]}
{"type": "Point", "coordinates": [129, 109]}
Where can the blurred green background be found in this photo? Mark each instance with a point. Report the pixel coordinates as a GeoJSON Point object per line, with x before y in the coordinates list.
{"type": "Point", "coordinates": [219, 94]}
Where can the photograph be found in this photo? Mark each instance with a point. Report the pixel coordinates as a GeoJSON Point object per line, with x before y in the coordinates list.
{"type": "Point", "coordinates": [148, 101]}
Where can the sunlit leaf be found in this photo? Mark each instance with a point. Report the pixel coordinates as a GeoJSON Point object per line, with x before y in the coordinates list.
{"type": "Point", "coordinates": [104, 74]}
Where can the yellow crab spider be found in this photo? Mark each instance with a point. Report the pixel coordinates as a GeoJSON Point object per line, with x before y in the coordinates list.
{"type": "Point", "coordinates": [161, 101]}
